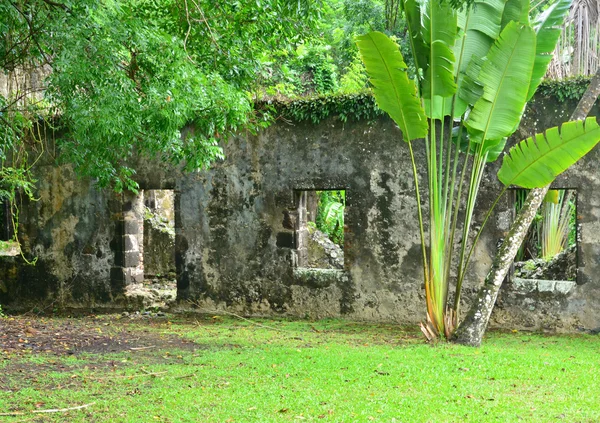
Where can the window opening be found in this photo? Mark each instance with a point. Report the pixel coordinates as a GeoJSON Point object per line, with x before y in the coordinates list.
{"type": "Point", "coordinates": [549, 251]}
{"type": "Point", "coordinates": [320, 229]}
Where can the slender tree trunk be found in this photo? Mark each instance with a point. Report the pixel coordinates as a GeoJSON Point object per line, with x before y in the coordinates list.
{"type": "Point", "coordinates": [471, 330]}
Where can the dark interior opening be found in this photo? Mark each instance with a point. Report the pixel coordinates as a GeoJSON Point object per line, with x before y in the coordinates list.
{"type": "Point", "coordinates": [6, 225]}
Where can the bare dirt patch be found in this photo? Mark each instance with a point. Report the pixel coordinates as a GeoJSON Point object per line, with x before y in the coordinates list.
{"type": "Point", "coordinates": [22, 335]}
{"type": "Point", "coordinates": [33, 347]}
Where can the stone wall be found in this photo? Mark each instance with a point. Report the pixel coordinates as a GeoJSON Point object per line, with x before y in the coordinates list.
{"type": "Point", "coordinates": [236, 248]}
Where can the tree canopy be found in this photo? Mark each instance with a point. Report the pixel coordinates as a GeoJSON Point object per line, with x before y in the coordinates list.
{"type": "Point", "coordinates": [125, 76]}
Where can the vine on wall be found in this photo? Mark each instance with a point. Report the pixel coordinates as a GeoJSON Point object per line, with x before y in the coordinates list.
{"type": "Point", "coordinates": [362, 106]}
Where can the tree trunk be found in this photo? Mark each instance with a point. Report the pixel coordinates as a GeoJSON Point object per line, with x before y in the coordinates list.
{"type": "Point", "coordinates": [471, 330]}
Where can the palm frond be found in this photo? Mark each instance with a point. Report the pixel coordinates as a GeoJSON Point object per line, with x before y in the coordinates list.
{"type": "Point", "coordinates": [536, 161]}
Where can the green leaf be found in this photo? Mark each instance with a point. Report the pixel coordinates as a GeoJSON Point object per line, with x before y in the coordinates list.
{"type": "Point", "coordinates": [412, 11]}
{"type": "Point", "coordinates": [505, 75]}
{"type": "Point", "coordinates": [516, 11]}
{"type": "Point", "coordinates": [470, 90]}
{"type": "Point", "coordinates": [513, 11]}
{"type": "Point", "coordinates": [482, 28]}
{"type": "Point", "coordinates": [536, 161]}
{"type": "Point", "coordinates": [439, 34]}
{"type": "Point", "coordinates": [547, 27]}
{"type": "Point", "coordinates": [393, 91]}
{"type": "Point", "coordinates": [481, 25]}
{"type": "Point", "coordinates": [441, 107]}
{"type": "Point", "coordinates": [493, 148]}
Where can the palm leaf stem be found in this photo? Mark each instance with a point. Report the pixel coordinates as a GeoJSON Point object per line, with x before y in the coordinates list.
{"type": "Point", "coordinates": [475, 181]}
{"type": "Point", "coordinates": [461, 275]}
{"type": "Point", "coordinates": [452, 215]}
{"type": "Point", "coordinates": [442, 203]}
{"type": "Point", "coordinates": [449, 162]}
{"type": "Point", "coordinates": [436, 271]}
{"type": "Point", "coordinates": [420, 211]}
{"type": "Point", "coordinates": [452, 204]}
{"type": "Point", "coordinates": [436, 264]}
{"type": "Point", "coordinates": [412, 46]}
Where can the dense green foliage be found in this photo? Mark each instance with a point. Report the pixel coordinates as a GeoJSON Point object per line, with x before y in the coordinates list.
{"type": "Point", "coordinates": [330, 215]}
{"type": "Point", "coordinates": [354, 107]}
{"type": "Point", "coordinates": [565, 89]}
{"type": "Point", "coordinates": [327, 62]}
{"type": "Point", "coordinates": [362, 106]}
{"type": "Point", "coordinates": [128, 75]}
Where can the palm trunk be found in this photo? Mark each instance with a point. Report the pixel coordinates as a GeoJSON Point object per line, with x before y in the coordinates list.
{"type": "Point", "coordinates": [471, 330]}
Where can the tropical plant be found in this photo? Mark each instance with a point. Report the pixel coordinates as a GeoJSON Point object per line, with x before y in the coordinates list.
{"type": "Point", "coordinates": [471, 331]}
{"type": "Point", "coordinates": [477, 68]}
{"type": "Point", "coordinates": [553, 228]}
{"type": "Point", "coordinates": [330, 214]}
{"type": "Point", "coordinates": [557, 214]}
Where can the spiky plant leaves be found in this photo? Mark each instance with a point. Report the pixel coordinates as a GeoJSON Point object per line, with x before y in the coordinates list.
{"type": "Point", "coordinates": [555, 223]}
{"type": "Point", "coordinates": [439, 27]}
{"type": "Point", "coordinates": [394, 92]}
{"type": "Point", "coordinates": [505, 75]}
{"type": "Point", "coordinates": [548, 28]}
{"type": "Point", "coordinates": [536, 161]}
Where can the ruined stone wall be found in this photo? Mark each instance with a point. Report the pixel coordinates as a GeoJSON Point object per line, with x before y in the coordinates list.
{"type": "Point", "coordinates": [236, 243]}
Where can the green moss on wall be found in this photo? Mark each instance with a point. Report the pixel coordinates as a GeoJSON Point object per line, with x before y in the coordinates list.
{"type": "Point", "coordinates": [362, 106]}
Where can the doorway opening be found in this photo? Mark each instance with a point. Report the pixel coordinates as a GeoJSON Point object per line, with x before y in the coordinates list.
{"type": "Point", "coordinates": [149, 248]}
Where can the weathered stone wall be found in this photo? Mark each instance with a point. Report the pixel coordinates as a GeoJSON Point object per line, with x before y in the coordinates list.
{"type": "Point", "coordinates": [159, 251]}
{"type": "Point", "coordinates": [236, 248]}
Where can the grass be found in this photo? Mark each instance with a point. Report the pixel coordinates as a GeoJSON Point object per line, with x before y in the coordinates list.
{"type": "Point", "coordinates": [330, 371]}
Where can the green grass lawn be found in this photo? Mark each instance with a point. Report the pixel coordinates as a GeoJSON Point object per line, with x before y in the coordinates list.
{"type": "Point", "coordinates": [330, 371]}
